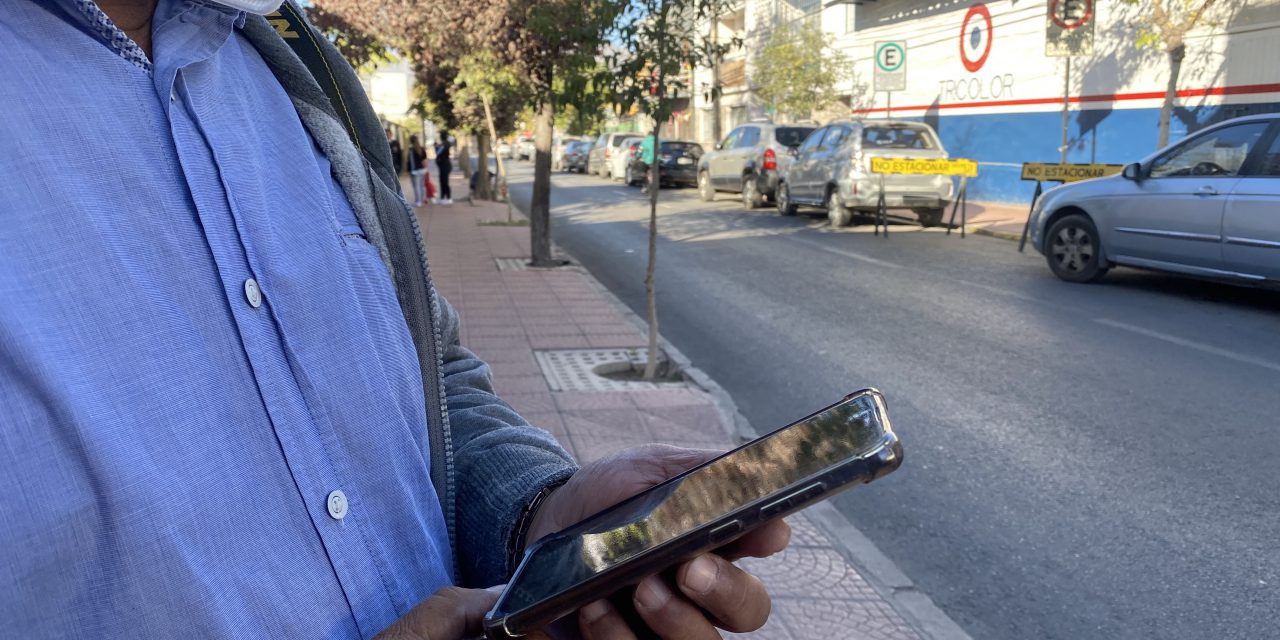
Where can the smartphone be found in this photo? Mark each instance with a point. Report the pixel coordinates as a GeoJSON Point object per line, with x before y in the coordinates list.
{"type": "Point", "coordinates": [709, 506]}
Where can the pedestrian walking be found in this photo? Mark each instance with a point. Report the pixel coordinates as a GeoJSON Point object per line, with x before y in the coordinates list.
{"type": "Point", "coordinates": [445, 165]}
{"type": "Point", "coordinates": [232, 404]}
{"type": "Point", "coordinates": [417, 169]}
{"type": "Point", "coordinates": [397, 153]}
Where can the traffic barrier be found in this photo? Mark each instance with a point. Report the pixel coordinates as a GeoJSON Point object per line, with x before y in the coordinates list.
{"type": "Point", "coordinates": [1043, 172]}
{"type": "Point", "coordinates": [931, 167]}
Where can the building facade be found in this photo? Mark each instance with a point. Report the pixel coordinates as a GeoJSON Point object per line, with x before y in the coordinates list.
{"type": "Point", "coordinates": [978, 73]}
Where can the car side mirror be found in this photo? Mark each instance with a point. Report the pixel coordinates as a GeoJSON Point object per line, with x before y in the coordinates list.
{"type": "Point", "coordinates": [1132, 172]}
{"type": "Point", "coordinates": [794, 152]}
{"type": "Point", "coordinates": [719, 146]}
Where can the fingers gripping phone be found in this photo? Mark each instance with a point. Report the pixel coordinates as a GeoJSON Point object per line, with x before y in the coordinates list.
{"type": "Point", "coordinates": [709, 506]}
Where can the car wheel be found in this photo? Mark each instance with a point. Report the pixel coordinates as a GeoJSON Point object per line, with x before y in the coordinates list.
{"type": "Point", "coordinates": [630, 180]}
{"type": "Point", "coordinates": [930, 217]}
{"type": "Point", "coordinates": [838, 214]}
{"type": "Point", "coordinates": [704, 187]}
{"type": "Point", "coordinates": [783, 198]}
{"type": "Point", "coordinates": [1074, 250]}
{"type": "Point", "coordinates": [607, 172]}
{"type": "Point", "coordinates": [751, 197]}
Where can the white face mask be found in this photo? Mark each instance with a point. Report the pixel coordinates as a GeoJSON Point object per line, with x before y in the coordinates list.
{"type": "Point", "coordinates": [260, 7]}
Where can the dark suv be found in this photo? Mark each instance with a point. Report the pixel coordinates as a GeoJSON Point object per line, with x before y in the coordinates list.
{"type": "Point", "coordinates": [748, 160]}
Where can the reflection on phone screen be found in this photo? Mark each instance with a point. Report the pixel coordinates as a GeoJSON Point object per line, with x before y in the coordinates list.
{"type": "Point", "coordinates": [761, 468]}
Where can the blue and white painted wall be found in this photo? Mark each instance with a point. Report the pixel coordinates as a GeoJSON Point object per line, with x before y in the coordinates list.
{"type": "Point", "coordinates": [977, 71]}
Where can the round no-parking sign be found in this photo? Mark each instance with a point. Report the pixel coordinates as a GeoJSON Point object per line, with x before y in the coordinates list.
{"type": "Point", "coordinates": [975, 37]}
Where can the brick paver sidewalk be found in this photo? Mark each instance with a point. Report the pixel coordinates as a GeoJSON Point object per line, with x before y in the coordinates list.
{"type": "Point", "coordinates": [996, 219]}
{"type": "Point", "coordinates": [507, 315]}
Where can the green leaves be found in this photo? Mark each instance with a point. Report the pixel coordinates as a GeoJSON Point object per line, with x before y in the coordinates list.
{"type": "Point", "coordinates": [653, 49]}
{"type": "Point", "coordinates": [798, 73]}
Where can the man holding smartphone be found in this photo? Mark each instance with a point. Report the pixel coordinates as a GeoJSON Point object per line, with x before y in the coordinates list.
{"type": "Point", "coordinates": [231, 403]}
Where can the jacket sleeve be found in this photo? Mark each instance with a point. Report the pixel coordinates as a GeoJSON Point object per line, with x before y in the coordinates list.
{"type": "Point", "coordinates": [500, 461]}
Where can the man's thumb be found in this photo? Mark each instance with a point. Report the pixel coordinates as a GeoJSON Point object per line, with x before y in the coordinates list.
{"type": "Point", "coordinates": [451, 613]}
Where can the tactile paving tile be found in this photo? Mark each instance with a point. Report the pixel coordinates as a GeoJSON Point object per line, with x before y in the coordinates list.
{"type": "Point", "coordinates": [512, 264]}
{"type": "Point", "coordinates": [573, 370]}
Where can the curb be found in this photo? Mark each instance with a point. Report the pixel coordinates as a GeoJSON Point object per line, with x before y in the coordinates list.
{"type": "Point", "coordinates": [880, 572]}
{"type": "Point", "coordinates": [1003, 235]}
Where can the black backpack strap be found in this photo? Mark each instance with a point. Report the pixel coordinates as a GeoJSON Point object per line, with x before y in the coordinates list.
{"type": "Point", "coordinates": [340, 85]}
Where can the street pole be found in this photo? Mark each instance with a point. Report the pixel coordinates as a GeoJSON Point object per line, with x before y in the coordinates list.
{"type": "Point", "coordinates": [1066, 110]}
{"type": "Point", "coordinates": [715, 74]}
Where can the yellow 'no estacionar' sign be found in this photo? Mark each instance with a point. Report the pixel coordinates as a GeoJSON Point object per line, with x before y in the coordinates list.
{"type": "Point", "coordinates": [923, 166]}
{"type": "Point", "coordinates": [1047, 172]}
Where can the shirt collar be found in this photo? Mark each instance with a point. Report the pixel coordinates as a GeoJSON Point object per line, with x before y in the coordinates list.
{"type": "Point", "coordinates": [99, 24]}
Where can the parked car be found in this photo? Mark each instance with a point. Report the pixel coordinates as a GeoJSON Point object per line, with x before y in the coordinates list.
{"type": "Point", "coordinates": [524, 149]}
{"type": "Point", "coordinates": [598, 163]}
{"type": "Point", "coordinates": [504, 149]}
{"type": "Point", "coordinates": [831, 170]}
{"type": "Point", "coordinates": [677, 164]}
{"type": "Point", "coordinates": [558, 148]}
{"type": "Point", "coordinates": [747, 161]}
{"type": "Point", "coordinates": [575, 156]}
{"type": "Point", "coordinates": [621, 157]}
{"type": "Point", "coordinates": [1207, 206]}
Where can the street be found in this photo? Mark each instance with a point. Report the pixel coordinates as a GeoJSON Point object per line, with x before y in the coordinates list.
{"type": "Point", "coordinates": [1082, 461]}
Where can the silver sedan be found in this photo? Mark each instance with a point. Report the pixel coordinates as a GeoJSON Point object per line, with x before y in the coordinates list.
{"type": "Point", "coordinates": [1207, 206]}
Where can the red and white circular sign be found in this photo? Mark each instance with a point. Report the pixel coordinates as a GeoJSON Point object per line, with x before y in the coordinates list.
{"type": "Point", "coordinates": [1057, 11]}
{"type": "Point", "coordinates": [975, 37]}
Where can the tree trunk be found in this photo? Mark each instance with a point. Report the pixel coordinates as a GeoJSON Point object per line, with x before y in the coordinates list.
{"type": "Point", "coordinates": [650, 288]}
{"type": "Point", "coordinates": [464, 154]}
{"type": "Point", "coordinates": [502, 168]}
{"type": "Point", "coordinates": [1176, 54]}
{"type": "Point", "coordinates": [482, 168]}
{"type": "Point", "coordinates": [540, 207]}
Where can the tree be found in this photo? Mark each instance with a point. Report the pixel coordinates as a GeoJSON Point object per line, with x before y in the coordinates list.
{"type": "Point", "coordinates": [554, 45]}
{"type": "Point", "coordinates": [798, 72]}
{"type": "Point", "coordinates": [654, 43]}
{"type": "Point", "coordinates": [486, 97]}
{"type": "Point", "coordinates": [1166, 26]}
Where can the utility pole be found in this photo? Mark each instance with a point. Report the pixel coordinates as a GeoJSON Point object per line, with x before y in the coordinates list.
{"type": "Point", "coordinates": [1066, 110]}
{"type": "Point", "coordinates": [715, 75]}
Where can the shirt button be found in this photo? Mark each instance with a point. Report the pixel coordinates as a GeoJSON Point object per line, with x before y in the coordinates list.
{"type": "Point", "coordinates": [337, 504]}
{"type": "Point", "coordinates": [252, 293]}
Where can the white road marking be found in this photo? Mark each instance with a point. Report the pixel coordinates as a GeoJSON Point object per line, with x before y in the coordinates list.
{"type": "Point", "coordinates": [1190, 344]}
{"type": "Point", "coordinates": [846, 253]}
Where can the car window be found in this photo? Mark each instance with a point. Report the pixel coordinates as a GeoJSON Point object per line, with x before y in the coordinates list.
{"type": "Point", "coordinates": [812, 141]}
{"type": "Point", "coordinates": [1269, 163]}
{"type": "Point", "coordinates": [682, 148]}
{"type": "Point", "coordinates": [897, 136]}
{"type": "Point", "coordinates": [750, 137]}
{"type": "Point", "coordinates": [731, 139]}
{"type": "Point", "coordinates": [835, 137]}
{"type": "Point", "coordinates": [618, 140]}
{"type": "Point", "coordinates": [791, 136]}
{"type": "Point", "coordinates": [1218, 153]}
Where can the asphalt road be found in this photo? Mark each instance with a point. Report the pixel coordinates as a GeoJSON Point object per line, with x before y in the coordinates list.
{"type": "Point", "coordinates": [1082, 461]}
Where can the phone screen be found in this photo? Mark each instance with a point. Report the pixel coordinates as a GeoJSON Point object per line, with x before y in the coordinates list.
{"type": "Point", "coordinates": [760, 468]}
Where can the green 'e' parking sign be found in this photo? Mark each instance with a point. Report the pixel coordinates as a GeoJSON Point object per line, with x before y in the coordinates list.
{"type": "Point", "coordinates": [891, 66]}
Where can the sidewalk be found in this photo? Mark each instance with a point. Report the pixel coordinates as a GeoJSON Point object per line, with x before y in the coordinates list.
{"type": "Point", "coordinates": [997, 220]}
{"type": "Point", "coordinates": [509, 315]}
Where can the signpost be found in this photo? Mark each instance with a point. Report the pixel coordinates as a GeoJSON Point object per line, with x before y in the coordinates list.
{"type": "Point", "coordinates": [891, 70]}
{"type": "Point", "coordinates": [1068, 32]}
{"type": "Point", "coordinates": [1043, 172]}
{"type": "Point", "coordinates": [929, 167]}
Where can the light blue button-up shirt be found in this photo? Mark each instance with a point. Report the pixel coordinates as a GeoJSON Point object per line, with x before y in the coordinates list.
{"type": "Point", "coordinates": [171, 440]}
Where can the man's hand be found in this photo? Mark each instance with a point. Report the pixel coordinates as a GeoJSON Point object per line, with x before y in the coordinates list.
{"type": "Point", "coordinates": [709, 592]}
{"type": "Point", "coordinates": [451, 613]}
